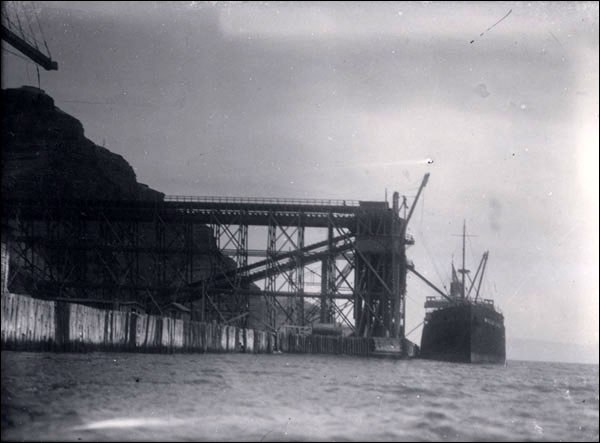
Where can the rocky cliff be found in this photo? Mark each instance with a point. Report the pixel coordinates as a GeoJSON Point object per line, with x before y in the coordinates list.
{"type": "Point", "coordinates": [45, 154]}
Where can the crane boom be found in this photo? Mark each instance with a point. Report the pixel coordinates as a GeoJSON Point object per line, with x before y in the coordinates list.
{"type": "Point", "coordinates": [414, 204]}
{"type": "Point", "coordinates": [482, 271]}
{"type": "Point", "coordinates": [33, 53]}
{"type": "Point", "coordinates": [476, 275]}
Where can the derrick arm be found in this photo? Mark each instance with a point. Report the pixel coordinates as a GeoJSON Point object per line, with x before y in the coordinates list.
{"type": "Point", "coordinates": [414, 204]}
{"type": "Point", "coordinates": [476, 274]}
{"type": "Point", "coordinates": [431, 285]}
{"type": "Point", "coordinates": [482, 271]}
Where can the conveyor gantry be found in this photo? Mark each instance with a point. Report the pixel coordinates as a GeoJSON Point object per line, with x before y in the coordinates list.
{"type": "Point", "coordinates": [160, 251]}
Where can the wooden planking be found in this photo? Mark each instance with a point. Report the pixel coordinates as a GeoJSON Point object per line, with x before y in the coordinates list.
{"type": "Point", "coordinates": [262, 342]}
{"type": "Point", "coordinates": [324, 344]}
{"type": "Point", "coordinates": [232, 341]}
{"type": "Point", "coordinates": [27, 322]}
{"type": "Point", "coordinates": [223, 339]}
{"type": "Point", "coordinates": [249, 340]}
{"type": "Point", "coordinates": [178, 334]}
{"type": "Point", "coordinates": [5, 259]}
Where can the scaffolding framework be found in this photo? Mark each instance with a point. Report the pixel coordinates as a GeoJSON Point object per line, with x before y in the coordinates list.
{"type": "Point", "coordinates": [195, 251]}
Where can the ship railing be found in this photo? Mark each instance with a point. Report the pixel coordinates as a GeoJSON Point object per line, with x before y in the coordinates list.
{"type": "Point", "coordinates": [262, 200]}
{"type": "Point", "coordinates": [490, 303]}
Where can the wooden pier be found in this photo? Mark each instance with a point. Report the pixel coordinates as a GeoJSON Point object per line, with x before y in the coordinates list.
{"type": "Point", "coordinates": [40, 325]}
{"type": "Point", "coordinates": [30, 324]}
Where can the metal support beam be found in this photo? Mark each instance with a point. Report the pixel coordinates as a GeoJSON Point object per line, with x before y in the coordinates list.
{"type": "Point", "coordinates": [270, 275]}
{"type": "Point", "coordinates": [164, 252]}
{"type": "Point", "coordinates": [327, 278]}
{"type": "Point", "coordinates": [299, 308]}
{"type": "Point", "coordinates": [33, 53]}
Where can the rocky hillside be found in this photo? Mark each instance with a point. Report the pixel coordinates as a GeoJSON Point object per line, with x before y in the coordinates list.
{"type": "Point", "coordinates": [45, 154]}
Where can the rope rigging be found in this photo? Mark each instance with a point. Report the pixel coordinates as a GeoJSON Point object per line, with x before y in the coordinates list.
{"type": "Point", "coordinates": [414, 329]}
{"type": "Point", "coordinates": [35, 43]}
{"type": "Point", "coordinates": [435, 267]}
{"type": "Point", "coordinates": [37, 19]}
{"type": "Point", "coordinates": [16, 54]}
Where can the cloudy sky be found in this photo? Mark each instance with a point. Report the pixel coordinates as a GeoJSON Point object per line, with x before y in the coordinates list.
{"type": "Point", "coordinates": [346, 100]}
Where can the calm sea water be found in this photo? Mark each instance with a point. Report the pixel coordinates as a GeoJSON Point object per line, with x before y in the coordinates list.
{"type": "Point", "coordinates": [102, 396]}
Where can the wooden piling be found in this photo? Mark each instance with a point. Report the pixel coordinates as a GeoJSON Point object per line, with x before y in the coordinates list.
{"type": "Point", "coordinates": [35, 324]}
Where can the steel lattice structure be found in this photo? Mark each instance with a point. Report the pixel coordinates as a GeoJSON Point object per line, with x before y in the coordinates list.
{"type": "Point", "coordinates": [195, 250]}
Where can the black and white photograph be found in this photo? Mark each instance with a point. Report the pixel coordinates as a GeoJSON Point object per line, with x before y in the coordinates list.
{"type": "Point", "coordinates": [300, 221]}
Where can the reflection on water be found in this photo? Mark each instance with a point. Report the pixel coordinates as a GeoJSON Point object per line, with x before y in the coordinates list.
{"type": "Point", "coordinates": [128, 423]}
{"type": "Point", "coordinates": [101, 396]}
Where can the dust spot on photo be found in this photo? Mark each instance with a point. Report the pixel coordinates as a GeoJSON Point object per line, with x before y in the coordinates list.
{"type": "Point", "coordinates": [481, 90]}
{"type": "Point", "coordinates": [495, 213]}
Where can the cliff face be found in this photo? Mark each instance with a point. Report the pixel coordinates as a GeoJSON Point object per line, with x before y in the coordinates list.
{"type": "Point", "coordinates": [46, 155]}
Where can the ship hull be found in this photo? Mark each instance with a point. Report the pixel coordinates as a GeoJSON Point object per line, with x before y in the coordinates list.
{"type": "Point", "coordinates": [468, 333]}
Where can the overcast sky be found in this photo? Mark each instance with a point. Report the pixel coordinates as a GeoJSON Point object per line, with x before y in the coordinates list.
{"type": "Point", "coordinates": [344, 100]}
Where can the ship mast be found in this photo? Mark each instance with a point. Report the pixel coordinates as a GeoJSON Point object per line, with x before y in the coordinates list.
{"type": "Point", "coordinates": [464, 270]}
{"type": "Point", "coordinates": [463, 266]}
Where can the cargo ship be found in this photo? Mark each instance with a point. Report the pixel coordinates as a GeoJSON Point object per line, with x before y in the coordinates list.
{"type": "Point", "coordinates": [461, 327]}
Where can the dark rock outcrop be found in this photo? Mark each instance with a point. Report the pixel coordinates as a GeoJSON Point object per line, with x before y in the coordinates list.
{"type": "Point", "coordinates": [45, 154]}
